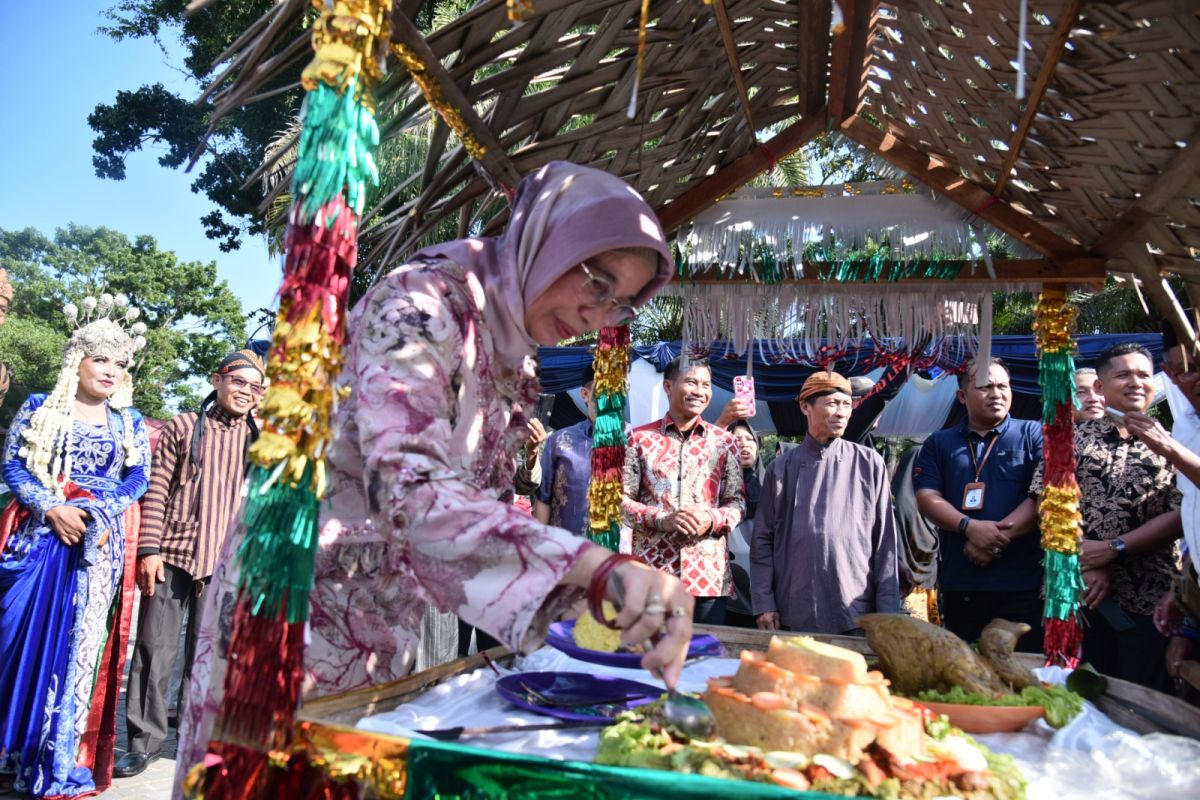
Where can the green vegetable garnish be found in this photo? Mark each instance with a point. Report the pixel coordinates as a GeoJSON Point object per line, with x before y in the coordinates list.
{"type": "Point", "coordinates": [1061, 704]}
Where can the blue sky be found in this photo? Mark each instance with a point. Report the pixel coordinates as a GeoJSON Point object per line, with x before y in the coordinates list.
{"type": "Point", "coordinates": [56, 68]}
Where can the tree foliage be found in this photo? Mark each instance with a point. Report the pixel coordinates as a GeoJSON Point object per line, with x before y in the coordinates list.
{"type": "Point", "coordinates": [193, 317]}
{"type": "Point", "coordinates": [1114, 309]}
{"type": "Point", "coordinates": [152, 115]}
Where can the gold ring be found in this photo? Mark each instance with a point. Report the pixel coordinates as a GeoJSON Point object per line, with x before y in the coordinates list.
{"type": "Point", "coordinates": [679, 612]}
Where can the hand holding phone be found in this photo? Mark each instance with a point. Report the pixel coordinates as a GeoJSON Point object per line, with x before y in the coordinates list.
{"type": "Point", "coordinates": [743, 390]}
{"type": "Point", "coordinates": [1117, 414]}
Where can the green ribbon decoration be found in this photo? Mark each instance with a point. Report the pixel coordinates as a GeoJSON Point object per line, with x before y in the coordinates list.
{"type": "Point", "coordinates": [335, 151]}
{"type": "Point", "coordinates": [609, 538]}
{"type": "Point", "coordinates": [1064, 585]}
{"type": "Point", "coordinates": [1056, 374]}
{"type": "Point", "coordinates": [277, 554]}
{"type": "Point", "coordinates": [608, 429]}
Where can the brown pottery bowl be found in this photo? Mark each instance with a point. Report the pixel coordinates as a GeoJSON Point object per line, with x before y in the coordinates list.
{"type": "Point", "coordinates": [986, 719]}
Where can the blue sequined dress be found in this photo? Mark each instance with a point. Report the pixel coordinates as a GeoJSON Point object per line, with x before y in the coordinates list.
{"type": "Point", "coordinates": [57, 606]}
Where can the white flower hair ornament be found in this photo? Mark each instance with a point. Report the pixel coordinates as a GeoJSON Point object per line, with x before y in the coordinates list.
{"type": "Point", "coordinates": [98, 332]}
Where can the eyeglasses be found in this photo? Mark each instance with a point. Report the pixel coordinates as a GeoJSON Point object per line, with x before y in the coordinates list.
{"type": "Point", "coordinates": [255, 389]}
{"type": "Point", "coordinates": [597, 291]}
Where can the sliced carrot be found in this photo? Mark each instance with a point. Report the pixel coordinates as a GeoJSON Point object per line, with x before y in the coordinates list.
{"type": "Point", "coordinates": [815, 714]}
{"type": "Point", "coordinates": [791, 778]}
{"type": "Point", "coordinates": [768, 701]}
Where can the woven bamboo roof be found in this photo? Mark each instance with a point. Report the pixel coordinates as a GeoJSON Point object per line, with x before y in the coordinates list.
{"type": "Point", "coordinates": [1096, 167]}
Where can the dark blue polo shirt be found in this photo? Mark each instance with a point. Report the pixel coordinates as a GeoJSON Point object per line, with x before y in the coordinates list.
{"type": "Point", "coordinates": [945, 466]}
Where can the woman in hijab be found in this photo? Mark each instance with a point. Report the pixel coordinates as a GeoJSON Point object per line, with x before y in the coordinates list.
{"type": "Point", "coordinates": [740, 613]}
{"type": "Point", "coordinates": [750, 457]}
{"type": "Point", "coordinates": [442, 378]}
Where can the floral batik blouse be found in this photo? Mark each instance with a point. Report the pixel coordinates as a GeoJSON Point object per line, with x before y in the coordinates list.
{"type": "Point", "coordinates": [423, 460]}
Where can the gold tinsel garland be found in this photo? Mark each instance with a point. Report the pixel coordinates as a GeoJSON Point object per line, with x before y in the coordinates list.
{"type": "Point", "coordinates": [611, 365]}
{"type": "Point", "coordinates": [432, 92]}
{"type": "Point", "coordinates": [604, 502]}
{"type": "Point", "coordinates": [300, 402]}
{"type": "Point", "coordinates": [1060, 519]}
{"type": "Point", "coordinates": [343, 42]}
{"type": "Point", "coordinates": [1054, 318]}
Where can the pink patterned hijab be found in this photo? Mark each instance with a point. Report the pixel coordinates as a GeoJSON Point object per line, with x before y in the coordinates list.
{"type": "Point", "coordinates": [564, 214]}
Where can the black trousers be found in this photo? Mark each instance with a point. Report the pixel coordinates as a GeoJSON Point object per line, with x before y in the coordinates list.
{"type": "Point", "coordinates": [1126, 646]}
{"type": "Point", "coordinates": [159, 621]}
{"type": "Point", "coordinates": [710, 610]}
{"type": "Point", "coordinates": [966, 614]}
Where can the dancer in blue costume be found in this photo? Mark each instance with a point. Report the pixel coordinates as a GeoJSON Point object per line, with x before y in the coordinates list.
{"type": "Point", "coordinates": [76, 461]}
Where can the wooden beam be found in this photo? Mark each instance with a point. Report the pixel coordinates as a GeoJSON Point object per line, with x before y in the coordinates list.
{"type": "Point", "coordinates": [735, 67]}
{"type": "Point", "coordinates": [813, 56]}
{"type": "Point", "coordinates": [683, 208]}
{"type": "Point", "coordinates": [1015, 270]}
{"type": "Point", "coordinates": [848, 62]}
{"type": "Point", "coordinates": [948, 182]}
{"type": "Point", "coordinates": [495, 160]}
{"type": "Point", "coordinates": [1144, 267]}
{"type": "Point", "coordinates": [1171, 184]}
{"type": "Point", "coordinates": [1054, 53]}
{"type": "Point", "coordinates": [1183, 267]}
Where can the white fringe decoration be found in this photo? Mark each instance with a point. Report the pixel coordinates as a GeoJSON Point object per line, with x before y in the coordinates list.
{"type": "Point", "coordinates": [918, 226]}
{"type": "Point", "coordinates": [792, 322]}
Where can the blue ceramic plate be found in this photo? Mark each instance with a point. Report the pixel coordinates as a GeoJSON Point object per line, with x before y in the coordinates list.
{"type": "Point", "coordinates": [586, 697]}
{"type": "Point", "coordinates": [562, 637]}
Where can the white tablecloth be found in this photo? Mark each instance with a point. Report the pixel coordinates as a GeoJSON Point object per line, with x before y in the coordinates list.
{"type": "Point", "coordinates": [1093, 758]}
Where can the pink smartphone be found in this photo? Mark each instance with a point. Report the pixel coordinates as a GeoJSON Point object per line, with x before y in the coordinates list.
{"type": "Point", "coordinates": [743, 389]}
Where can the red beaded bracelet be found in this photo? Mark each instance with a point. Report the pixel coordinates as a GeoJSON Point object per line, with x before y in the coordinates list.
{"type": "Point", "coordinates": [598, 587]}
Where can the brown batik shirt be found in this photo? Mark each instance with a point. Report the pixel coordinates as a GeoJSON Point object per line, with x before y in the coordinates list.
{"type": "Point", "coordinates": [1124, 485]}
{"type": "Point", "coordinates": [186, 511]}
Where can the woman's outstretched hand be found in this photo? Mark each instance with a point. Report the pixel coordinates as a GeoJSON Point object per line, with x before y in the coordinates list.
{"type": "Point", "coordinates": [655, 609]}
{"type": "Point", "coordinates": [68, 522]}
{"type": "Point", "coordinates": [657, 612]}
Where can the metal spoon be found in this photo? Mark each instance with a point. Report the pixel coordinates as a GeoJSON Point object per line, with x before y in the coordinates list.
{"type": "Point", "coordinates": [687, 715]}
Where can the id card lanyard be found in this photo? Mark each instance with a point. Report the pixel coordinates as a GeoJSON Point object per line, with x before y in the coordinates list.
{"type": "Point", "coordinates": [973, 492]}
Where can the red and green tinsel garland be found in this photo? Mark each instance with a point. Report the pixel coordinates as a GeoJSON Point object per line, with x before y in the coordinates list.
{"type": "Point", "coordinates": [1059, 510]}
{"type": "Point", "coordinates": [335, 163]}
{"type": "Point", "coordinates": [611, 365]}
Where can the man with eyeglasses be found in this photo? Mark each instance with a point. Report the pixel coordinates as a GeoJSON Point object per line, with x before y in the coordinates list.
{"type": "Point", "coordinates": [195, 487]}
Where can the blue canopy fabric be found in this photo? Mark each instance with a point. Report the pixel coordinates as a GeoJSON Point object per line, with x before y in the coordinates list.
{"type": "Point", "coordinates": [562, 368]}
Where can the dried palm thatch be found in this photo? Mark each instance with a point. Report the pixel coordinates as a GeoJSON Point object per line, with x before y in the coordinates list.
{"type": "Point", "coordinates": [1098, 160]}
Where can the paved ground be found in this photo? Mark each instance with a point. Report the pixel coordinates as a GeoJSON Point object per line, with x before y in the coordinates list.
{"type": "Point", "coordinates": [155, 782]}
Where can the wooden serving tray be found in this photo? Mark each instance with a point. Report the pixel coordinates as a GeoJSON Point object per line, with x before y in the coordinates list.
{"type": "Point", "coordinates": [1136, 707]}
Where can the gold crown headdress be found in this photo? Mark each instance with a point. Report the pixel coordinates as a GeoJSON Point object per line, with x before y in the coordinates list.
{"type": "Point", "coordinates": [108, 325]}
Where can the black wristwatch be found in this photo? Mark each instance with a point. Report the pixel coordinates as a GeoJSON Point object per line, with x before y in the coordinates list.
{"type": "Point", "coordinates": [1117, 545]}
